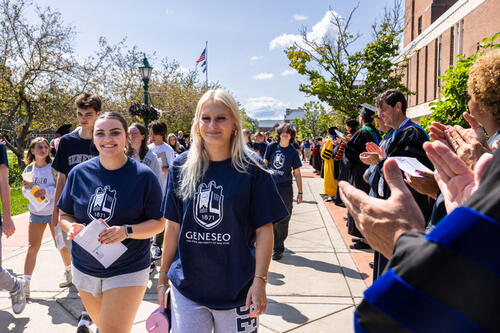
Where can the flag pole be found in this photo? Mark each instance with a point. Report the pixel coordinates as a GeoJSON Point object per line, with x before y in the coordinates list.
{"type": "Point", "coordinates": [206, 60]}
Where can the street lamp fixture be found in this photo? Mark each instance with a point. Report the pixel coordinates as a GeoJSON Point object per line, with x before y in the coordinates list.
{"type": "Point", "coordinates": [146, 70]}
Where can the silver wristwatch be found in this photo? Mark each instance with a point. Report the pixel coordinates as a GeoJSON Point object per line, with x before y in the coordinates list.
{"type": "Point", "coordinates": [128, 230]}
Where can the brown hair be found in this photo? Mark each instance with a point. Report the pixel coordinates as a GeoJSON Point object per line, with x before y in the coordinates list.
{"type": "Point", "coordinates": [391, 97]}
{"type": "Point", "coordinates": [484, 83]}
{"type": "Point", "coordinates": [115, 115]}
{"type": "Point", "coordinates": [88, 101]}
{"type": "Point", "coordinates": [285, 128]}
{"type": "Point", "coordinates": [144, 143]}
{"type": "Point", "coordinates": [30, 157]}
{"type": "Point", "coordinates": [159, 128]}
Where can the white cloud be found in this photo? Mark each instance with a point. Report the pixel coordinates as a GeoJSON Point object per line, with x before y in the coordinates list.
{"type": "Point", "coordinates": [284, 40]}
{"type": "Point", "coordinates": [287, 72]}
{"type": "Point", "coordinates": [265, 107]}
{"type": "Point", "coordinates": [255, 58]}
{"type": "Point", "coordinates": [322, 30]}
{"type": "Point", "coordinates": [263, 76]}
{"type": "Point", "coordinates": [299, 17]}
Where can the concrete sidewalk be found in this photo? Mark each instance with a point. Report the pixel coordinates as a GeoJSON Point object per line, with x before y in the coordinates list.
{"type": "Point", "coordinates": [313, 288]}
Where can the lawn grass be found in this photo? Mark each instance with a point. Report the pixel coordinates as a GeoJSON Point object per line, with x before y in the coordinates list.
{"type": "Point", "coordinates": [18, 203]}
{"type": "Point", "coordinates": [11, 157]}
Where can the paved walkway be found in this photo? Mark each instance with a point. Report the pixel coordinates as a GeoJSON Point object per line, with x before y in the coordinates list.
{"type": "Point", "coordinates": [313, 288]}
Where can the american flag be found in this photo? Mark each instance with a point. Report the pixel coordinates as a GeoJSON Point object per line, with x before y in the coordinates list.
{"type": "Point", "coordinates": [202, 57]}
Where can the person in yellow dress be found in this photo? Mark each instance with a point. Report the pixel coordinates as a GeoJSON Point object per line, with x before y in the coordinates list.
{"type": "Point", "coordinates": [327, 154]}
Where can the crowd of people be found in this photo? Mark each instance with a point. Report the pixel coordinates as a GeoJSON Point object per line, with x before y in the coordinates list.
{"type": "Point", "coordinates": [434, 268]}
{"type": "Point", "coordinates": [132, 179]}
{"type": "Point", "coordinates": [215, 207]}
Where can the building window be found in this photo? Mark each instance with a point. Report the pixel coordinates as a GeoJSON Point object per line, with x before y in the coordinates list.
{"type": "Point", "coordinates": [438, 67]}
{"type": "Point", "coordinates": [457, 41]}
{"type": "Point", "coordinates": [412, 19]}
{"type": "Point", "coordinates": [408, 79]}
{"type": "Point", "coordinates": [425, 72]}
{"type": "Point", "coordinates": [452, 45]}
{"type": "Point", "coordinates": [419, 28]}
{"type": "Point", "coordinates": [417, 74]}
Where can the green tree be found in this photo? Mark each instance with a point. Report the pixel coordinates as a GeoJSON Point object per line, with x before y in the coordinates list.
{"type": "Point", "coordinates": [248, 122]}
{"type": "Point", "coordinates": [315, 122]}
{"type": "Point", "coordinates": [453, 103]}
{"type": "Point", "coordinates": [342, 77]}
{"type": "Point", "coordinates": [38, 67]}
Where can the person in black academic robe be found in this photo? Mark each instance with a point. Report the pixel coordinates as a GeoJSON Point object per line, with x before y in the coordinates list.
{"type": "Point", "coordinates": [356, 168]}
{"type": "Point", "coordinates": [351, 126]}
{"type": "Point", "coordinates": [407, 139]}
{"type": "Point", "coordinates": [315, 156]}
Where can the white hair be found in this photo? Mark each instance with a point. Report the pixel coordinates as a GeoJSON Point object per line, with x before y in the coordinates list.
{"type": "Point", "coordinates": [197, 162]}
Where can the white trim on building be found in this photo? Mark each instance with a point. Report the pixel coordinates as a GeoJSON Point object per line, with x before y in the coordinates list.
{"type": "Point", "coordinates": [419, 110]}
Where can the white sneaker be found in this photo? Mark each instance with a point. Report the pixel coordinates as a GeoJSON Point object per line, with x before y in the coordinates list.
{"type": "Point", "coordinates": [26, 288]}
{"type": "Point", "coordinates": [18, 298]}
{"type": "Point", "coordinates": [67, 279]}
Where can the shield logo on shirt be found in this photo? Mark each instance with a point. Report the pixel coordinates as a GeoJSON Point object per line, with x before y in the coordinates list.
{"type": "Point", "coordinates": [102, 204]}
{"type": "Point", "coordinates": [208, 205]}
{"type": "Point", "coordinates": [279, 160]}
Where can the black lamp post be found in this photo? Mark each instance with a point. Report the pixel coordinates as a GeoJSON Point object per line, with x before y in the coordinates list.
{"type": "Point", "coordinates": [146, 70]}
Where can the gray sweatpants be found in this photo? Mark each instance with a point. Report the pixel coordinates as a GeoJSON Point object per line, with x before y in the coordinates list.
{"type": "Point", "coordinates": [189, 317]}
{"type": "Point", "coordinates": [7, 281]}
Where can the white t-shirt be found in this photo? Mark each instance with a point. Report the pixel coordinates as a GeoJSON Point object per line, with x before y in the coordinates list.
{"type": "Point", "coordinates": [44, 179]}
{"type": "Point", "coordinates": [152, 161]}
{"type": "Point", "coordinates": [166, 156]}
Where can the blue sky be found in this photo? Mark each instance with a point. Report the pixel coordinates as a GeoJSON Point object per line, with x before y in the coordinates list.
{"type": "Point", "coordinates": [246, 39]}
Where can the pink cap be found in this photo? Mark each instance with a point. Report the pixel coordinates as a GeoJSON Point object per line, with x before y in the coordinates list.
{"type": "Point", "coordinates": [157, 322]}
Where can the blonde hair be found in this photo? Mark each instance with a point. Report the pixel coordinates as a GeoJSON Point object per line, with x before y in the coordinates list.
{"type": "Point", "coordinates": [197, 162]}
{"type": "Point", "coordinates": [484, 83]}
{"type": "Point", "coordinates": [30, 157]}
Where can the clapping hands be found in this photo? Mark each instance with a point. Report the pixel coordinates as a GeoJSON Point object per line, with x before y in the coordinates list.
{"type": "Point", "coordinates": [456, 180]}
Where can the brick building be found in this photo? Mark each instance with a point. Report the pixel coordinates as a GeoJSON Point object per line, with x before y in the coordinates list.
{"type": "Point", "coordinates": [436, 31]}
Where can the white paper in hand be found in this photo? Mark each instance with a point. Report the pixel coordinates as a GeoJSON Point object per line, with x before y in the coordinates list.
{"type": "Point", "coordinates": [106, 254]}
{"type": "Point", "coordinates": [59, 237]}
{"type": "Point", "coordinates": [163, 158]}
{"type": "Point", "coordinates": [339, 134]}
{"type": "Point", "coordinates": [410, 165]}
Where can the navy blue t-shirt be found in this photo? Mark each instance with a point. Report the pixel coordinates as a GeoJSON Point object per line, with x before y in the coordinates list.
{"type": "Point", "coordinates": [260, 147]}
{"type": "Point", "coordinates": [73, 150]}
{"type": "Point", "coordinates": [282, 161]}
{"type": "Point", "coordinates": [215, 260]}
{"type": "Point", "coordinates": [3, 160]}
{"type": "Point", "coordinates": [129, 195]}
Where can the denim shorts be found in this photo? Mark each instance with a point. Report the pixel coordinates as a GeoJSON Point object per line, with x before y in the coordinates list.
{"type": "Point", "coordinates": [96, 285]}
{"type": "Point", "coordinates": [40, 219]}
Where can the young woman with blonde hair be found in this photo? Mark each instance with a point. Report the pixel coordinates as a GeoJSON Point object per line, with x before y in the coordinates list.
{"type": "Point", "coordinates": [220, 205]}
